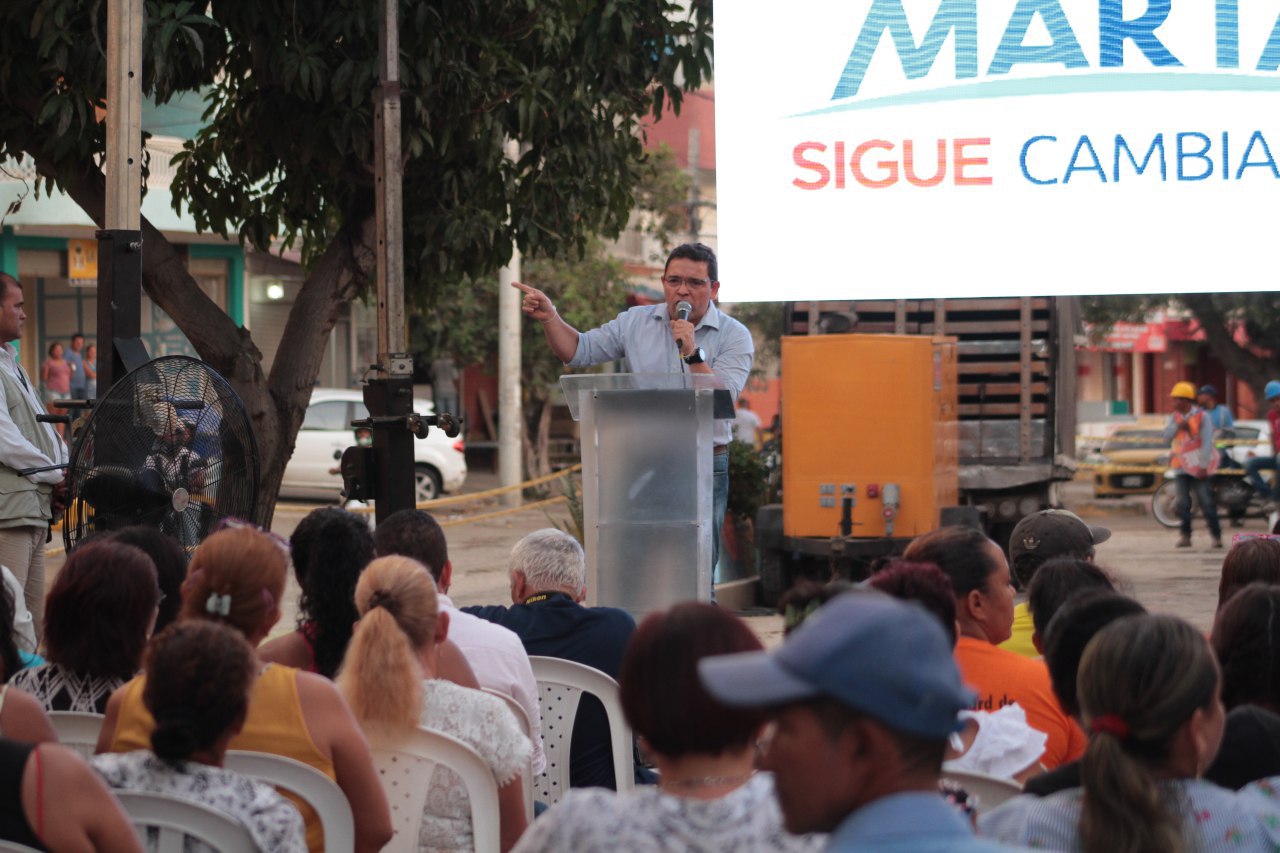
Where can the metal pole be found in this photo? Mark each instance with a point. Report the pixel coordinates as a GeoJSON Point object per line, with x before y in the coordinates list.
{"type": "Point", "coordinates": [391, 393]}
{"type": "Point", "coordinates": [510, 414]}
{"type": "Point", "coordinates": [388, 176]}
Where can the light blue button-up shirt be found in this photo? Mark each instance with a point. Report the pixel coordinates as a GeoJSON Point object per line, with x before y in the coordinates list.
{"type": "Point", "coordinates": [641, 337]}
{"type": "Point", "coordinates": [916, 822]}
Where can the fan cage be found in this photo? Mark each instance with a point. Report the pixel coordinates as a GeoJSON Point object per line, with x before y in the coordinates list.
{"type": "Point", "coordinates": [170, 446]}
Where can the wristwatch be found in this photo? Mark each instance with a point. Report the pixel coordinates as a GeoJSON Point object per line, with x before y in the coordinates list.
{"type": "Point", "coordinates": [698, 356]}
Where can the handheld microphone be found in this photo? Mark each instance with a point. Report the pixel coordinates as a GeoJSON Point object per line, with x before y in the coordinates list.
{"type": "Point", "coordinates": [682, 312]}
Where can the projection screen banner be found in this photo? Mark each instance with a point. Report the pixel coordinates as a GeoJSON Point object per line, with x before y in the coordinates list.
{"type": "Point", "coordinates": [914, 148]}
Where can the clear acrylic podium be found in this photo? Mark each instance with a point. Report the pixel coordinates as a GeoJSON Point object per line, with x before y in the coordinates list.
{"type": "Point", "coordinates": [646, 485]}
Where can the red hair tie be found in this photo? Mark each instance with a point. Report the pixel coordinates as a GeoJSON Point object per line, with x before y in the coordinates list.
{"type": "Point", "coordinates": [1111, 724]}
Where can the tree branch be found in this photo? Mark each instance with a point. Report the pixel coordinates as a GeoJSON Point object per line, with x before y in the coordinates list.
{"type": "Point", "coordinates": [334, 281]}
{"type": "Point", "coordinates": [1218, 332]}
{"type": "Point", "coordinates": [165, 278]}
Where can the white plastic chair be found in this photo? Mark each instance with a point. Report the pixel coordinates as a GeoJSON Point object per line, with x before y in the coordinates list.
{"type": "Point", "coordinates": [175, 819]}
{"type": "Point", "coordinates": [405, 759]}
{"type": "Point", "coordinates": [561, 684]}
{"type": "Point", "coordinates": [78, 730]}
{"type": "Point", "coordinates": [319, 791]}
{"type": "Point", "coordinates": [522, 717]}
{"type": "Point", "coordinates": [990, 791]}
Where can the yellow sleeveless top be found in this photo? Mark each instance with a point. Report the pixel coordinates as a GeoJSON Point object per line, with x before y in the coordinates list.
{"type": "Point", "coordinates": [275, 724]}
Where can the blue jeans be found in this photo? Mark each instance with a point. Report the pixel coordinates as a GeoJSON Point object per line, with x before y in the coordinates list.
{"type": "Point", "coordinates": [719, 504]}
{"type": "Point", "coordinates": [446, 402]}
{"type": "Point", "coordinates": [1251, 469]}
{"type": "Point", "coordinates": [1185, 484]}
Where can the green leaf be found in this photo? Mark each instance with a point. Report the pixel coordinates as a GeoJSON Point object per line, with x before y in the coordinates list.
{"type": "Point", "coordinates": [65, 113]}
{"type": "Point", "coordinates": [47, 109]}
{"type": "Point", "coordinates": [341, 78]}
{"type": "Point", "coordinates": [164, 39]}
{"type": "Point", "coordinates": [194, 38]}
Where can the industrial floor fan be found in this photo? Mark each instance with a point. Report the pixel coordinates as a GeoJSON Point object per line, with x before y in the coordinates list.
{"type": "Point", "coordinates": [169, 446]}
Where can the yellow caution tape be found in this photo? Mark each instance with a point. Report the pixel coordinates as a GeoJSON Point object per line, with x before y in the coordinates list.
{"type": "Point", "coordinates": [439, 502]}
{"type": "Point", "coordinates": [1122, 469]}
{"type": "Point", "coordinates": [450, 522]}
{"type": "Point", "coordinates": [457, 499]}
{"type": "Point", "coordinates": [1125, 439]}
{"type": "Point", "coordinates": [1136, 469]}
{"type": "Point", "coordinates": [487, 493]}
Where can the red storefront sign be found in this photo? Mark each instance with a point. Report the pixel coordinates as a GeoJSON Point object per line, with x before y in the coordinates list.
{"type": "Point", "coordinates": [1134, 337]}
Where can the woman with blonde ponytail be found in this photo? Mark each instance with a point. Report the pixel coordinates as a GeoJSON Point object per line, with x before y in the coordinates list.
{"type": "Point", "coordinates": [237, 578]}
{"type": "Point", "coordinates": [390, 676]}
{"type": "Point", "coordinates": [1150, 695]}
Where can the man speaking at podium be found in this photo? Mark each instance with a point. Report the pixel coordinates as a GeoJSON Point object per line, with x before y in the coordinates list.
{"type": "Point", "coordinates": [686, 333]}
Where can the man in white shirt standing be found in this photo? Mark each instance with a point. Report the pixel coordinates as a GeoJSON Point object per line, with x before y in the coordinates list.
{"type": "Point", "coordinates": [496, 654]}
{"type": "Point", "coordinates": [26, 502]}
{"type": "Point", "coordinates": [746, 426]}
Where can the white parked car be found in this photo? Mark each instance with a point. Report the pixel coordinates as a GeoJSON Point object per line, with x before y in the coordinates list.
{"type": "Point", "coordinates": [439, 464]}
{"type": "Point", "coordinates": [1258, 431]}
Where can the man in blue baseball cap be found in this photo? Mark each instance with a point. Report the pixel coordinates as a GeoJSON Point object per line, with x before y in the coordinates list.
{"type": "Point", "coordinates": [1223, 431]}
{"type": "Point", "coordinates": [865, 696]}
{"type": "Point", "coordinates": [1207, 399]}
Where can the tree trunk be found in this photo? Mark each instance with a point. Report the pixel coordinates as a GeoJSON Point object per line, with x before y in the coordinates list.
{"type": "Point", "coordinates": [537, 434]}
{"type": "Point", "coordinates": [543, 454]}
{"type": "Point", "coordinates": [1256, 370]}
{"type": "Point", "coordinates": [276, 403]}
{"type": "Point", "coordinates": [334, 281]}
{"type": "Point", "coordinates": [529, 408]}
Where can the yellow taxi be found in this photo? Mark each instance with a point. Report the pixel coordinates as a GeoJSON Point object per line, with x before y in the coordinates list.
{"type": "Point", "coordinates": [1132, 461]}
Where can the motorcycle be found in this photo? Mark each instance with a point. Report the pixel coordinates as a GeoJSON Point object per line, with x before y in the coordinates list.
{"type": "Point", "coordinates": [1232, 494]}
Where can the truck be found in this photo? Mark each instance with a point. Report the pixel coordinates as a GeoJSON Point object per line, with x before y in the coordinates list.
{"type": "Point", "coordinates": [1012, 424]}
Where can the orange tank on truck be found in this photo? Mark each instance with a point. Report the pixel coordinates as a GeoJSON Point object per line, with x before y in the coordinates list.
{"type": "Point", "coordinates": [901, 415]}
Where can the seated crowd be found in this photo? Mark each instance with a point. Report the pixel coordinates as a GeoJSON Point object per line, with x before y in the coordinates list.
{"type": "Point", "coordinates": [890, 712]}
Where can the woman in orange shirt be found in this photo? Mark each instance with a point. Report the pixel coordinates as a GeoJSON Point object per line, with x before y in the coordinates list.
{"type": "Point", "coordinates": [983, 589]}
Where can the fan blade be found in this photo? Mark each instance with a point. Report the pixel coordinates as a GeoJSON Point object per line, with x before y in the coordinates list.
{"type": "Point", "coordinates": [109, 487]}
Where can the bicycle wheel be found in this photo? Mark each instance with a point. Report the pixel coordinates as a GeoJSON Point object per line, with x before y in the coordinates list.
{"type": "Point", "coordinates": [1164, 504]}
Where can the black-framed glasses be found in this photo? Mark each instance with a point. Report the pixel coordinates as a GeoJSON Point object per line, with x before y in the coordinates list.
{"type": "Point", "coordinates": [681, 281]}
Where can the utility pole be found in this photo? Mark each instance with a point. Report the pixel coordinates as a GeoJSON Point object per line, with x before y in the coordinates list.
{"type": "Point", "coordinates": [696, 202]}
{"type": "Point", "coordinates": [389, 396]}
{"type": "Point", "coordinates": [120, 242]}
{"type": "Point", "coordinates": [385, 472]}
{"type": "Point", "coordinates": [695, 194]}
{"type": "Point", "coordinates": [510, 412]}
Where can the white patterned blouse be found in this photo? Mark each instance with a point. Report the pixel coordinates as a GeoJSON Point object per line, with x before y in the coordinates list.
{"type": "Point", "coordinates": [484, 723]}
{"type": "Point", "coordinates": [272, 820]}
{"type": "Point", "coordinates": [596, 820]}
{"type": "Point", "coordinates": [1213, 818]}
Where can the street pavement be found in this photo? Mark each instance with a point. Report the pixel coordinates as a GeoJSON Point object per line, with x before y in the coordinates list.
{"type": "Point", "coordinates": [1140, 554]}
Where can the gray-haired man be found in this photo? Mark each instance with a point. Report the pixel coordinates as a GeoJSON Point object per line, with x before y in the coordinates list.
{"type": "Point", "coordinates": [548, 582]}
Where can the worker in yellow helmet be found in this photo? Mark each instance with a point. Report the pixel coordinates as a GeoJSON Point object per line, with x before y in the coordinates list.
{"type": "Point", "coordinates": [1194, 459]}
